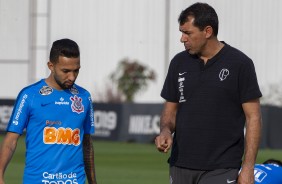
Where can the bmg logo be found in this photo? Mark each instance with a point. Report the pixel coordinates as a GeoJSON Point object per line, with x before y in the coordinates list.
{"type": "Point", "coordinates": [61, 135]}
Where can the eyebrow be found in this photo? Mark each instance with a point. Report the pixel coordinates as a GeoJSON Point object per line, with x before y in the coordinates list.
{"type": "Point", "coordinates": [186, 32]}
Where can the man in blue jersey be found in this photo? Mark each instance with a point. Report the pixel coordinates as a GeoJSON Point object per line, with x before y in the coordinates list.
{"type": "Point", "coordinates": [58, 117]}
{"type": "Point", "coordinates": [270, 172]}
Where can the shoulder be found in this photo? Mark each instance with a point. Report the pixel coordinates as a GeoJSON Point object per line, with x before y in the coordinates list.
{"type": "Point", "coordinates": [236, 55]}
{"type": "Point", "coordinates": [182, 58]}
{"type": "Point", "coordinates": [32, 89]}
{"type": "Point", "coordinates": [79, 92]}
{"type": "Point", "coordinates": [184, 55]}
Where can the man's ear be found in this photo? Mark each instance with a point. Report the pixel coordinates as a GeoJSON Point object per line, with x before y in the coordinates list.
{"type": "Point", "coordinates": [50, 66]}
{"type": "Point", "coordinates": [209, 31]}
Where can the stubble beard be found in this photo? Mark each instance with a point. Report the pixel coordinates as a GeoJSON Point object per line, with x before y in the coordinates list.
{"type": "Point", "coordinates": [62, 85]}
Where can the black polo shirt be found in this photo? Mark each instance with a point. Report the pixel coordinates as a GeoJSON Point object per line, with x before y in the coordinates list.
{"type": "Point", "coordinates": [210, 119]}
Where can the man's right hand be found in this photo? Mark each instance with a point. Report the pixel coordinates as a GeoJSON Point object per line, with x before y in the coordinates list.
{"type": "Point", "coordinates": [164, 141]}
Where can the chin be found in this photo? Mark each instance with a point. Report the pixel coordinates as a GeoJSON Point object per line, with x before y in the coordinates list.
{"type": "Point", "coordinates": [66, 87]}
{"type": "Point", "coordinates": [190, 52]}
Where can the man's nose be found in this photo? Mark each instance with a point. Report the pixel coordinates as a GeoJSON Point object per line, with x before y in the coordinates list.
{"type": "Point", "coordinates": [72, 76]}
{"type": "Point", "coordinates": [183, 38]}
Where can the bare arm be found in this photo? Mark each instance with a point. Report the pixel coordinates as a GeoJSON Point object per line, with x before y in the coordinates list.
{"type": "Point", "coordinates": [252, 140]}
{"type": "Point", "coordinates": [167, 127]}
{"type": "Point", "coordinates": [88, 153]}
{"type": "Point", "coordinates": [7, 150]}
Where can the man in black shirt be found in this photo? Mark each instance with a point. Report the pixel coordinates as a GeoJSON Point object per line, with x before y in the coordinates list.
{"type": "Point", "coordinates": [211, 94]}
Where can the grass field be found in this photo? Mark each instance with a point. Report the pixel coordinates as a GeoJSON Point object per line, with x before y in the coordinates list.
{"type": "Point", "coordinates": [121, 163]}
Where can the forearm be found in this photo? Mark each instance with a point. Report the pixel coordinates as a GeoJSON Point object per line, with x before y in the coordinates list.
{"type": "Point", "coordinates": [88, 152]}
{"type": "Point", "coordinates": [167, 126]}
{"type": "Point", "coordinates": [167, 122]}
{"type": "Point", "coordinates": [253, 131]}
{"type": "Point", "coordinates": [252, 140]}
{"type": "Point", "coordinates": [7, 150]}
{"type": "Point", "coordinates": [6, 154]}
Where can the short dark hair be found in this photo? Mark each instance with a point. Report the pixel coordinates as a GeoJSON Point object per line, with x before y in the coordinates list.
{"type": "Point", "coordinates": [204, 15]}
{"type": "Point", "coordinates": [64, 47]}
{"type": "Point", "coordinates": [273, 161]}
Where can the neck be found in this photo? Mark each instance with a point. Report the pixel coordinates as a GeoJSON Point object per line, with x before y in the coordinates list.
{"type": "Point", "coordinates": [50, 81]}
{"type": "Point", "coordinates": [212, 48]}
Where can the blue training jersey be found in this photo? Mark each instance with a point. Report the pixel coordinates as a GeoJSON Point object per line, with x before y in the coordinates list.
{"type": "Point", "coordinates": [268, 174]}
{"type": "Point", "coordinates": [55, 122]}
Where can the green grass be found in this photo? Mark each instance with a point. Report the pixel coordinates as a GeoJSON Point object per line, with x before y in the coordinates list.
{"type": "Point", "coordinates": [121, 163]}
{"type": "Point", "coordinates": [116, 163]}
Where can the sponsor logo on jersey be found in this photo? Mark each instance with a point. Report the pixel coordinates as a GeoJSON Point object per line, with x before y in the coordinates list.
{"type": "Point", "coordinates": [62, 102]}
{"type": "Point", "coordinates": [74, 90]}
{"type": "Point", "coordinates": [66, 136]}
{"type": "Point", "coordinates": [74, 181]}
{"type": "Point", "coordinates": [45, 104]}
{"type": "Point", "coordinates": [91, 111]}
{"type": "Point", "coordinates": [181, 80]}
{"type": "Point", "coordinates": [59, 178]}
{"type": "Point", "coordinates": [19, 110]}
{"type": "Point", "coordinates": [46, 90]}
{"type": "Point", "coordinates": [48, 122]}
{"type": "Point", "coordinates": [230, 181]}
{"type": "Point", "coordinates": [259, 175]}
{"type": "Point", "coordinates": [77, 105]}
{"type": "Point", "coordinates": [181, 73]}
{"type": "Point", "coordinates": [223, 74]}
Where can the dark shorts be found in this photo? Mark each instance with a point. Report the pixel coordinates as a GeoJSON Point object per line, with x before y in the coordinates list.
{"type": "Point", "coordinates": [180, 175]}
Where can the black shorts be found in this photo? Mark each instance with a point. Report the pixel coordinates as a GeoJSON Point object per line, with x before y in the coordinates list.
{"type": "Point", "coordinates": [180, 175]}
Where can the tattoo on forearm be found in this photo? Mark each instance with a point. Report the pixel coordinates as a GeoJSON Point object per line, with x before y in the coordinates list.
{"type": "Point", "coordinates": [88, 152]}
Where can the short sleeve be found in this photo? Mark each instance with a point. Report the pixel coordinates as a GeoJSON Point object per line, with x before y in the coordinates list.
{"type": "Point", "coordinates": [169, 91]}
{"type": "Point", "coordinates": [89, 121]}
{"type": "Point", "coordinates": [19, 117]}
{"type": "Point", "coordinates": [248, 84]}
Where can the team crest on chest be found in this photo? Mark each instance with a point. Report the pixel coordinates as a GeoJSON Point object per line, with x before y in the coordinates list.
{"type": "Point", "coordinates": [77, 105]}
{"type": "Point", "coordinates": [223, 74]}
{"type": "Point", "coordinates": [46, 90]}
{"type": "Point", "coordinates": [74, 90]}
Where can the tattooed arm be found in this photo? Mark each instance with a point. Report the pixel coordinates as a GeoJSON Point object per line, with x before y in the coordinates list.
{"type": "Point", "coordinates": [88, 153]}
